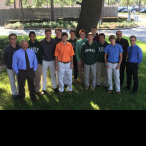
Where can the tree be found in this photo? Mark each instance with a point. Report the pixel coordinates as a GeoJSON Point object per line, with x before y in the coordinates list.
{"type": "Point", "coordinates": [22, 11]}
{"type": "Point", "coordinates": [90, 15]}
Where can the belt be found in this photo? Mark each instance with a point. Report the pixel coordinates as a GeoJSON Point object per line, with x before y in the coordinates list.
{"type": "Point", "coordinates": [132, 62]}
{"type": "Point", "coordinates": [25, 70]}
{"type": "Point", "coordinates": [113, 62]}
{"type": "Point", "coordinates": [64, 62]}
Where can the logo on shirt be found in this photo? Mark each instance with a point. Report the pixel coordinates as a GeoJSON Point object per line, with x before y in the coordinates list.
{"type": "Point", "coordinates": [34, 49]}
{"type": "Point", "coordinates": [101, 49]}
{"type": "Point", "coordinates": [89, 50]}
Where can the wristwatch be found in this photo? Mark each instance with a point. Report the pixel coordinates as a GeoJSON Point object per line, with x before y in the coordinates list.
{"type": "Point", "coordinates": [106, 64]}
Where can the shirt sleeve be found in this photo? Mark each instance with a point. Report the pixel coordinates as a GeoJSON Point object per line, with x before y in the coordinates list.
{"type": "Point", "coordinates": [56, 51]}
{"type": "Point", "coordinates": [41, 54]}
{"type": "Point", "coordinates": [5, 56]}
{"type": "Point", "coordinates": [77, 52]}
{"type": "Point", "coordinates": [72, 51]}
{"type": "Point", "coordinates": [97, 53]}
{"type": "Point", "coordinates": [83, 53]}
{"type": "Point", "coordinates": [106, 49]}
{"type": "Point", "coordinates": [35, 62]}
{"type": "Point", "coordinates": [140, 56]}
{"type": "Point", "coordinates": [14, 63]}
{"type": "Point", "coordinates": [121, 49]}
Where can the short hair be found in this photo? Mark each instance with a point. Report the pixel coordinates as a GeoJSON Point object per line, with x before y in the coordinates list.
{"type": "Point", "coordinates": [133, 37]}
{"type": "Point", "coordinates": [12, 34]}
{"type": "Point", "coordinates": [111, 37]}
{"type": "Point", "coordinates": [82, 30]}
{"type": "Point", "coordinates": [94, 27]}
{"type": "Point", "coordinates": [32, 32]}
{"type": "Point", "coordinates": [119, 31]}
{"type": "Point", "coordinates": [64, 34]}
{"type": "Point", "coordinates": [102, 34]}
{"type": "Point", "coordinates": [48, 30]}
{"type": "Point", "coordinates": [58, 30]}
{"type": "Point", "coordinates": [72, 31]}
{"type": "Point", "coordinates": [24, 41]}
{"type": "Point", "coordinates": [90, 33]}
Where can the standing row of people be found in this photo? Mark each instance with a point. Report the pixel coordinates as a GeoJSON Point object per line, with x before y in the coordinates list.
{"type": "Point", "coordinates": [93, 54]}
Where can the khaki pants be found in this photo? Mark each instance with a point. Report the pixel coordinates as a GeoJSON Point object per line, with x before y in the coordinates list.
{"type": "Point", "coordinates": [80, 70]}
{"type": "Point", "coordinates": [38, 75]}
{"type": "Point", "coordinates": [99, 68]}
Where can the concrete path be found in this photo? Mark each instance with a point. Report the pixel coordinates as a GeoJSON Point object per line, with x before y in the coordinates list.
{"type": "Point", "coordinates": [140, 32]}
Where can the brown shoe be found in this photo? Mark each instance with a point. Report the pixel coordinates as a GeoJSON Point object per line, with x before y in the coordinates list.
{"type": "Point", "coordinates": [86, 88]}
{"type": "Point", "coordinates": [119, 93]}
{"type": "Point", "coordinates": [70, 92]}
{"type": "Point", "coordinates": [35, 99]}
{"type": "Point", "coordinates": [38, 93]}
{"type": "Point", "coordinates": [93, 89]}
{"type": "Point", "coordinates": [80, 84]}
{"type": "Point", "coordinates": [22, 101]}
{"type": "Point", "coordinates": [75, 81]}
{"type": "Point", "coordinates": [109, 91]}
{"type": "Point", "coordinates": [60, 93]}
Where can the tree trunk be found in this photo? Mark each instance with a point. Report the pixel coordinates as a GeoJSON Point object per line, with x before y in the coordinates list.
{"type": "Point", "coordinates": [22, 11]}
{"type": "Point", "coordinates": [52, 10]}
{"type": "Point", "coordinates": [90, 15]}
{"type": "Point", "coordinates": [14, 4]}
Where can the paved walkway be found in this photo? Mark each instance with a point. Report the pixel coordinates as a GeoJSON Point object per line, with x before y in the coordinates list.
{"type": "Point", "coordinates": [139, 32]}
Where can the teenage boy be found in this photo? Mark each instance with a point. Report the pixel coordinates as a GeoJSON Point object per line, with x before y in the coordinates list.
{"type": "Point", "coordinates": [113, 63]}
{"type": "Point", "coordinates": [89, 54]}
{"type": "Point", "coordinates": [95, 34]}
{"type": "Point", "coordinates": [7, 57]}
{"type": "Point", "coordinates": [58, 33]}
{"type": "Point", "coordinates": [48, 47]}
{"type": "Point", "coordinates": [64, 63]}
{"type": "Point", "coordinates": [37, 48]}
{"type": "Point", "coordinates": [79, 44]}
{"type": "Point", "coordinates": [73, 41]}
{"type": "Point", "coordinates": [124, 43]}
{"type": "Point", "coordinates": [25, 64]}
{"type": "Point", "coordinates": [100, 65]}
{"type": "Point", "coordinates": [134, 59]}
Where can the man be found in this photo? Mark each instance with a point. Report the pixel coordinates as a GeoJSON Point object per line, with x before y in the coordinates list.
{"type": "Point", "coordinates": [73, 40]}
{"type": "Point", "coordinates": [37, 48]}
{"type": "Point", "coordinates": [7, 57]}
{"type": "Point", "coordinates": [113, 63]}
{"type": "Point", "coordinates": [48, 46]}
{"type": "Point", "coordinates": [100, 65]}
{"type": "Point", "coordinates": [64, 63]}
{"type": "Point", "coordinates": [79, 44]}
{"type": "Point", "coordinates": [58, 33]}
{"type": "Point", "coordinates": [124, 43]}
{"type": "Point", "coordinates": [25, 64]}
{"type": "Point", "coordinates": [95, 34]}
{"type": "Point", "coordinates": [89, 54]}
{"type": "Point", "coordinates": [134, 59]}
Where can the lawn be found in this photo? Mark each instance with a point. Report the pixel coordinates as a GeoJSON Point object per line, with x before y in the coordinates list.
{"type": "Point", "coordinates": [80, 99]}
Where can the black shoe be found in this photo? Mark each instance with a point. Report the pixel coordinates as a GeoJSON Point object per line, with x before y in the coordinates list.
{"type": "Point", "coordinates": [15, 97]}
{"type": "Point", "coordinates": [126, 88]}
{"type": "Point", "coordinates": [134, 92]}
{"type": "Point", "coordinates": [56, 90]}
{"type": "Point", "coordinates": [44, 92]}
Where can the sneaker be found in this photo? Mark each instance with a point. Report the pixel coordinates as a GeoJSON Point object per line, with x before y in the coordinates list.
{"type": "Point", "coordinates": [119, 93]}
{"type": "Point", "coordinates": [44, 92]}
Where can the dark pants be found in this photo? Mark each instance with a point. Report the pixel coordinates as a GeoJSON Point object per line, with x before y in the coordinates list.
{"type": "Point", "coordinates": [122, 70]}
{"type": "Point", "coordinates": [22, 77]}
{"type": "Point", "coordinates": [132, 69]}
{"type": "Point", "coordinates": [75, 67]}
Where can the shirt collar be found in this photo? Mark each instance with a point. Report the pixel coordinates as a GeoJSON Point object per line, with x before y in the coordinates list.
{"type": "Point", "coordinates": [24, 50]}
{"type": "Point", "coordinates": [95, 36]}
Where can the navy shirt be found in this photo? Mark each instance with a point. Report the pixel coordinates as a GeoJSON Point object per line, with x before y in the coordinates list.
{"type": "Point", "coordinates": [136, 54]}
{"type": "Point", "coordinates": [19, 61]}
{"type": "Point", "coordinates": [113, 52]}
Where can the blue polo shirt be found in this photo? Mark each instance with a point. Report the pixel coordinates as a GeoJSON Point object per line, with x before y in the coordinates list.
{"type": "Point", "coordinates": [136, 54]}
{"type": "Point", "coordinates": [113, 52]}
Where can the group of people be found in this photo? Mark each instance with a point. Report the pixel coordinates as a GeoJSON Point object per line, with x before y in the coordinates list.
{"type": "Point", "coordinates": [92, 55]}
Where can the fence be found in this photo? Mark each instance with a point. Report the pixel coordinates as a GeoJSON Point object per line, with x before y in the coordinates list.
{"type": "Point", "coordinates": [42, 13]}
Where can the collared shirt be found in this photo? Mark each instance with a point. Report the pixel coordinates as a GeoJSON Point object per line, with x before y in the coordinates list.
{"type": "Point", "coordinates": [58, 39]}
{"type": "Point", "coordinates": [64, 52]}
{"type": "Point", "coordinates": [113, 52]}
{"type": "Point", "coordinates": [19, 61]}
{"type": "Point", "coordinates": [96, 38]}
{"type": "Point", "coordinates": [136, 54]}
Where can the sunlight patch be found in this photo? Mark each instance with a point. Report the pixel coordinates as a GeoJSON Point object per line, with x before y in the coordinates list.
{"type": "Point", "coordinates": [95, 106]}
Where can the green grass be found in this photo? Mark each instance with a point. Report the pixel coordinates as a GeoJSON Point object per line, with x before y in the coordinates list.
{"type": "Point", "coordinates": [80, 99]}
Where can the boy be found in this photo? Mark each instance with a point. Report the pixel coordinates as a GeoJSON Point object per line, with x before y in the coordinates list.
{"type": "Point", "coordinates": [95, 34]}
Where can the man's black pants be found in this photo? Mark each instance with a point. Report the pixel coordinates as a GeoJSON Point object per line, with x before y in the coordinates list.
{"type": "Point", "coordinates": [132, 69]}
{"type": "Point", "coordinates": [22, 77]}
{"type": "Point", "coordinates": [75, 67]}
{"type": "Point", "coordinates": [122, 71]}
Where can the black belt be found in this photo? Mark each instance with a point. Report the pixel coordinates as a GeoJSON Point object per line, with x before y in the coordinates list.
{"type": "Point", "coordinates": [113, 62]}
{"type": "Point", "coordinates": [132, 62]}
{"type": "Point", "coordinates": [64, 62]}
{"type": "Point", "coordinates": [25, 70]}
